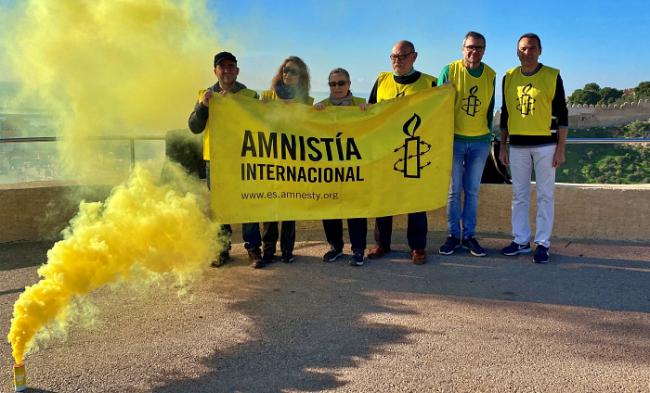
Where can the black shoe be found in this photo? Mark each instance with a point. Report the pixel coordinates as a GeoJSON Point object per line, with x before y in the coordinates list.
{"type": "Point", "coordinates": [258, 264]}
{"type": "Point", "coordinates": [254, 254]}
{"type": "Point", "coordinates": [224, 257]}
{"type": "Point", "coordinates": [450, 245]}
{"type": "Point", "coordinates": [541, 255]}
{"type": "Point", "coordinates": [516, 249]}
{"type": "Point", "coordinates": [287, 257]}
{"type": "Point", "coordinates": [357, 258]}
{"type": "Point", "coordinates": [332, 255]}
{"type": "Point", "coordinates": [474, 248]}
{"type": "Point", "coordinates": [268, 258]}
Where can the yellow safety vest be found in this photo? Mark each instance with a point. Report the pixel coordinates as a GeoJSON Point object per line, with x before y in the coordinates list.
{"type": "Point", "coordinates": [387, 88]}
{"type": "Point", "coordinates": [473, 96]}
{"type": "Point", "coordinates": [529, 100]}
{"type": "Point", "coordinates": [271, 95]}
{"type": "Point", "coordinates": [355, 101]}
{"type": "Point", "coordinates": [206, 135]}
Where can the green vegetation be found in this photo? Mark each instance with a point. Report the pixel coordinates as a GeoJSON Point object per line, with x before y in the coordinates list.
{"type": "Point", "coordinates": [609, 164]}
{"type": "Point", "coordinates": [593, 94]}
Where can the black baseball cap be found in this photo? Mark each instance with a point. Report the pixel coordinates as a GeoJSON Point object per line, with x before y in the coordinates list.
{"type": "Point", "coordinates": [221, 56]}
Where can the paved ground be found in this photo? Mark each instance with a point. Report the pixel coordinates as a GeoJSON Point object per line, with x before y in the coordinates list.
{"type": "Point", "coordinates": [457, 324]}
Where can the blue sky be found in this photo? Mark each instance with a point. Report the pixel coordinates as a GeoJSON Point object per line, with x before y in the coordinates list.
{"type": "Point", "coordinates": [602, 42]}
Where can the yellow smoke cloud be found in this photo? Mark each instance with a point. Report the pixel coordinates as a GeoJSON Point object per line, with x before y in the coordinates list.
{"type": "Point", "coordinates": [143, 228]}
{"type": "Point", "coordinates": [106, 68]}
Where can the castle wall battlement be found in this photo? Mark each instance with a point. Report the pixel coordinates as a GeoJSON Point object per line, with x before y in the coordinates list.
{"type": "Point", "coordinates": [611, 115]}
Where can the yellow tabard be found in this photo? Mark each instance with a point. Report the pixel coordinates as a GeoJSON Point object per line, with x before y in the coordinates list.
{"type": "Point", "coordinates": [473, 96]}
{"type": "Point", "coordinates": [387, 88]}
{"type": "Point", "coordinates": [271, 95]}
{"type": "Point", "coordinates": [529, 100]}
{"type": "Point", "coordinates": [355, 101]}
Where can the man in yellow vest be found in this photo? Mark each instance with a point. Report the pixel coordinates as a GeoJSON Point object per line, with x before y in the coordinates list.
{"type": "Point", "coordinates": [226, 71]}
{"type": "Point", "coordinates": [403, 81]}
{"type": "Point", "coordinates": [474, 106]}
{"type": "Point", "coordinates": [533, 94]}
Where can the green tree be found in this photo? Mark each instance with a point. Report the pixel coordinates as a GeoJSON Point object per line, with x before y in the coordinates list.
{"type": "Point", "coordinates": [592, 86]}
{"type": "Point", "coordinates": [581, 96]}
{"type": "Point", "coordinates": [609, 95]}
{"type": "Point", "coordinates": [642, 91]}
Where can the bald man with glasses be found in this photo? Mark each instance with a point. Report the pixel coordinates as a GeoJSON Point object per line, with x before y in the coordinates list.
{"type": "Point", "coordinates": [403, 81]}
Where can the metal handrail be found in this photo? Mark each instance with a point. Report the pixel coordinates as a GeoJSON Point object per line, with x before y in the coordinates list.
{"type": "Point", "coordinates": [131, 140]}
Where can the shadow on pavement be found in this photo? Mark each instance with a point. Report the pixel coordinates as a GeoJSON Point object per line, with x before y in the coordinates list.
{"type": "Point", "coordinates": [306, 325]}
{"type": "Point", "coordinates": [19, 255]}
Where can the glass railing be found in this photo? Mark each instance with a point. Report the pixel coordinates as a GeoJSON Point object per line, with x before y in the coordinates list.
{"type": "Point", "coordinates": [589, 160]}
{"type": "Point", "coordinates": [25, 159]}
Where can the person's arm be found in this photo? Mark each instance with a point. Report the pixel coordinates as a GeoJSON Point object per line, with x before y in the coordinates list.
{"type": "Point", "coordinates": [561, 112]}
{"type": "Point", "coordinates": [373, 93]}
{"type": "Point", "coordinates": [490, 111]}
{"type": "Point", "coordinates": [503, 145]}
{"type": "Point", "coordinates": [444, 76]}
{"type": "Point", "coordinates": [198, 118]}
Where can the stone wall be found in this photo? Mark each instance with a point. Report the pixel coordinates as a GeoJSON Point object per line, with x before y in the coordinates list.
{"type": "Point", "coordinates": [39, 210]}
{"type": "Point", "coordinates": [585, 116]}
{"type": "Point", "coordinates": [612, 115]}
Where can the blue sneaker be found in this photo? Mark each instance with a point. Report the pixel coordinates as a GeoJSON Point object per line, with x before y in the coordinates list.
{"type": "Point", "coordinates": [357, 258]}
{"type": "Point", "coordinates": [450, 245]}
{"type": "Point", "coordinates": [471, 244]}
{"type": "Point", "coordinates": [541, 254]}
{"type": "Point", "coordinates": [516, 249]}
{"type": "Point", "coordinates": [332, 255]}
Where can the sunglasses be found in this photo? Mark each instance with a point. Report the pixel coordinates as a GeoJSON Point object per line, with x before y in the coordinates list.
{"type": "Point", "coordinates": [395, 56]}
{"type": "Point", "coordinates": [339, 83]}
{"type": "Point", "coordinates": [290, 71]}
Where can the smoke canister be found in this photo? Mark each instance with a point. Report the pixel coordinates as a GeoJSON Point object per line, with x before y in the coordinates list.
{"type": "Point", "coordinates": [20, 378]}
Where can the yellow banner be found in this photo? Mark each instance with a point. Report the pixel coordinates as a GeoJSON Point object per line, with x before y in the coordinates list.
{"type": "Point", "coordinates": [276, 161]}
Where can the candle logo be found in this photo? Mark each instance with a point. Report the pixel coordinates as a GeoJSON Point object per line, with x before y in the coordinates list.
{"type": "Point", "coordinates": [410, 164]}
{"type": "Point", "coordinates": [471, 103]}
{"type": "Point", "coordinates": [526, 102]}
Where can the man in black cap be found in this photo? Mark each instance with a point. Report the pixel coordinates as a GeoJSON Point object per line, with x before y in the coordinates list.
{"type": "Point", "coordinates": [226, 71]}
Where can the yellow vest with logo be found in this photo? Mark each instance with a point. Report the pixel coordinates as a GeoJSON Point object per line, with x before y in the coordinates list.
{"type": "Point", "coordinates": [529, 101]}
{"type": "Point", "coordinates": [206, 135]}
{"type": "Point", "coordinates": [473, 97]}
{"type": "Point", "coordinates": [355, 101]}
{"type": "Point", "coordinates": [271, 95]}
{"type": "Point", "coordinates": [387, 88]}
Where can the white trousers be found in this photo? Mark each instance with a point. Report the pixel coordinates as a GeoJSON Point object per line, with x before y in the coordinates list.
{"type": "Point", "coordinates": [522, 162]}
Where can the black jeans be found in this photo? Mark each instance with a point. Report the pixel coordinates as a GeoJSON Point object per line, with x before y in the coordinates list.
{"type": "Point", "coordinates": [250, 231]}
{"type": "Point", "coordinates": [357, 227]}
{"type": "Point", "coordinates": [416, 231]}
{"type": "Point", "coordinates": [287, 236]}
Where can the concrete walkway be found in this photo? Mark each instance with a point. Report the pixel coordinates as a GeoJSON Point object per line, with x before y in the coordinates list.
{"type": "Point", "coordinates": [456, 324]}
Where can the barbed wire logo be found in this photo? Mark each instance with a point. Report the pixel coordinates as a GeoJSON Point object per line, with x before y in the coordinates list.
{"type": "Point", "coordinates": [526, 102]}
{"type": "Point", "coordinates": [414, 148]}
{"type": "Point", "coordinates": [472, 102]}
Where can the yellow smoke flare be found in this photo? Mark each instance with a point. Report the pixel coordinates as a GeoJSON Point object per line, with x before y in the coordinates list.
{"type": "Point", "coordinates": [110, 68]}
{"type": "Point", "coordinates": [141, 229]}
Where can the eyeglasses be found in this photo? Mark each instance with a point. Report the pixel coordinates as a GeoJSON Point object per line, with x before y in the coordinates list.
{"type": "Point", "coordinates": [291, 71]}
{"type": "Point", "coordinates": [476, 48]}
{"type": "Point", "coordinates": [337, 83]}
{"type": "Point", "coordinates": [394, 56]}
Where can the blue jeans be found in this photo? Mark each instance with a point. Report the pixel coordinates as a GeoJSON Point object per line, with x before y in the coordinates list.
{"type": "Point", "coordinates": [250, 230]}
{"type": "Point", "coordinates": [467, 169]}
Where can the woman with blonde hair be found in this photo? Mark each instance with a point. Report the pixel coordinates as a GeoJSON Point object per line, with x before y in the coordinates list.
{"type": "Point", "coordinates": [290, 84]}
